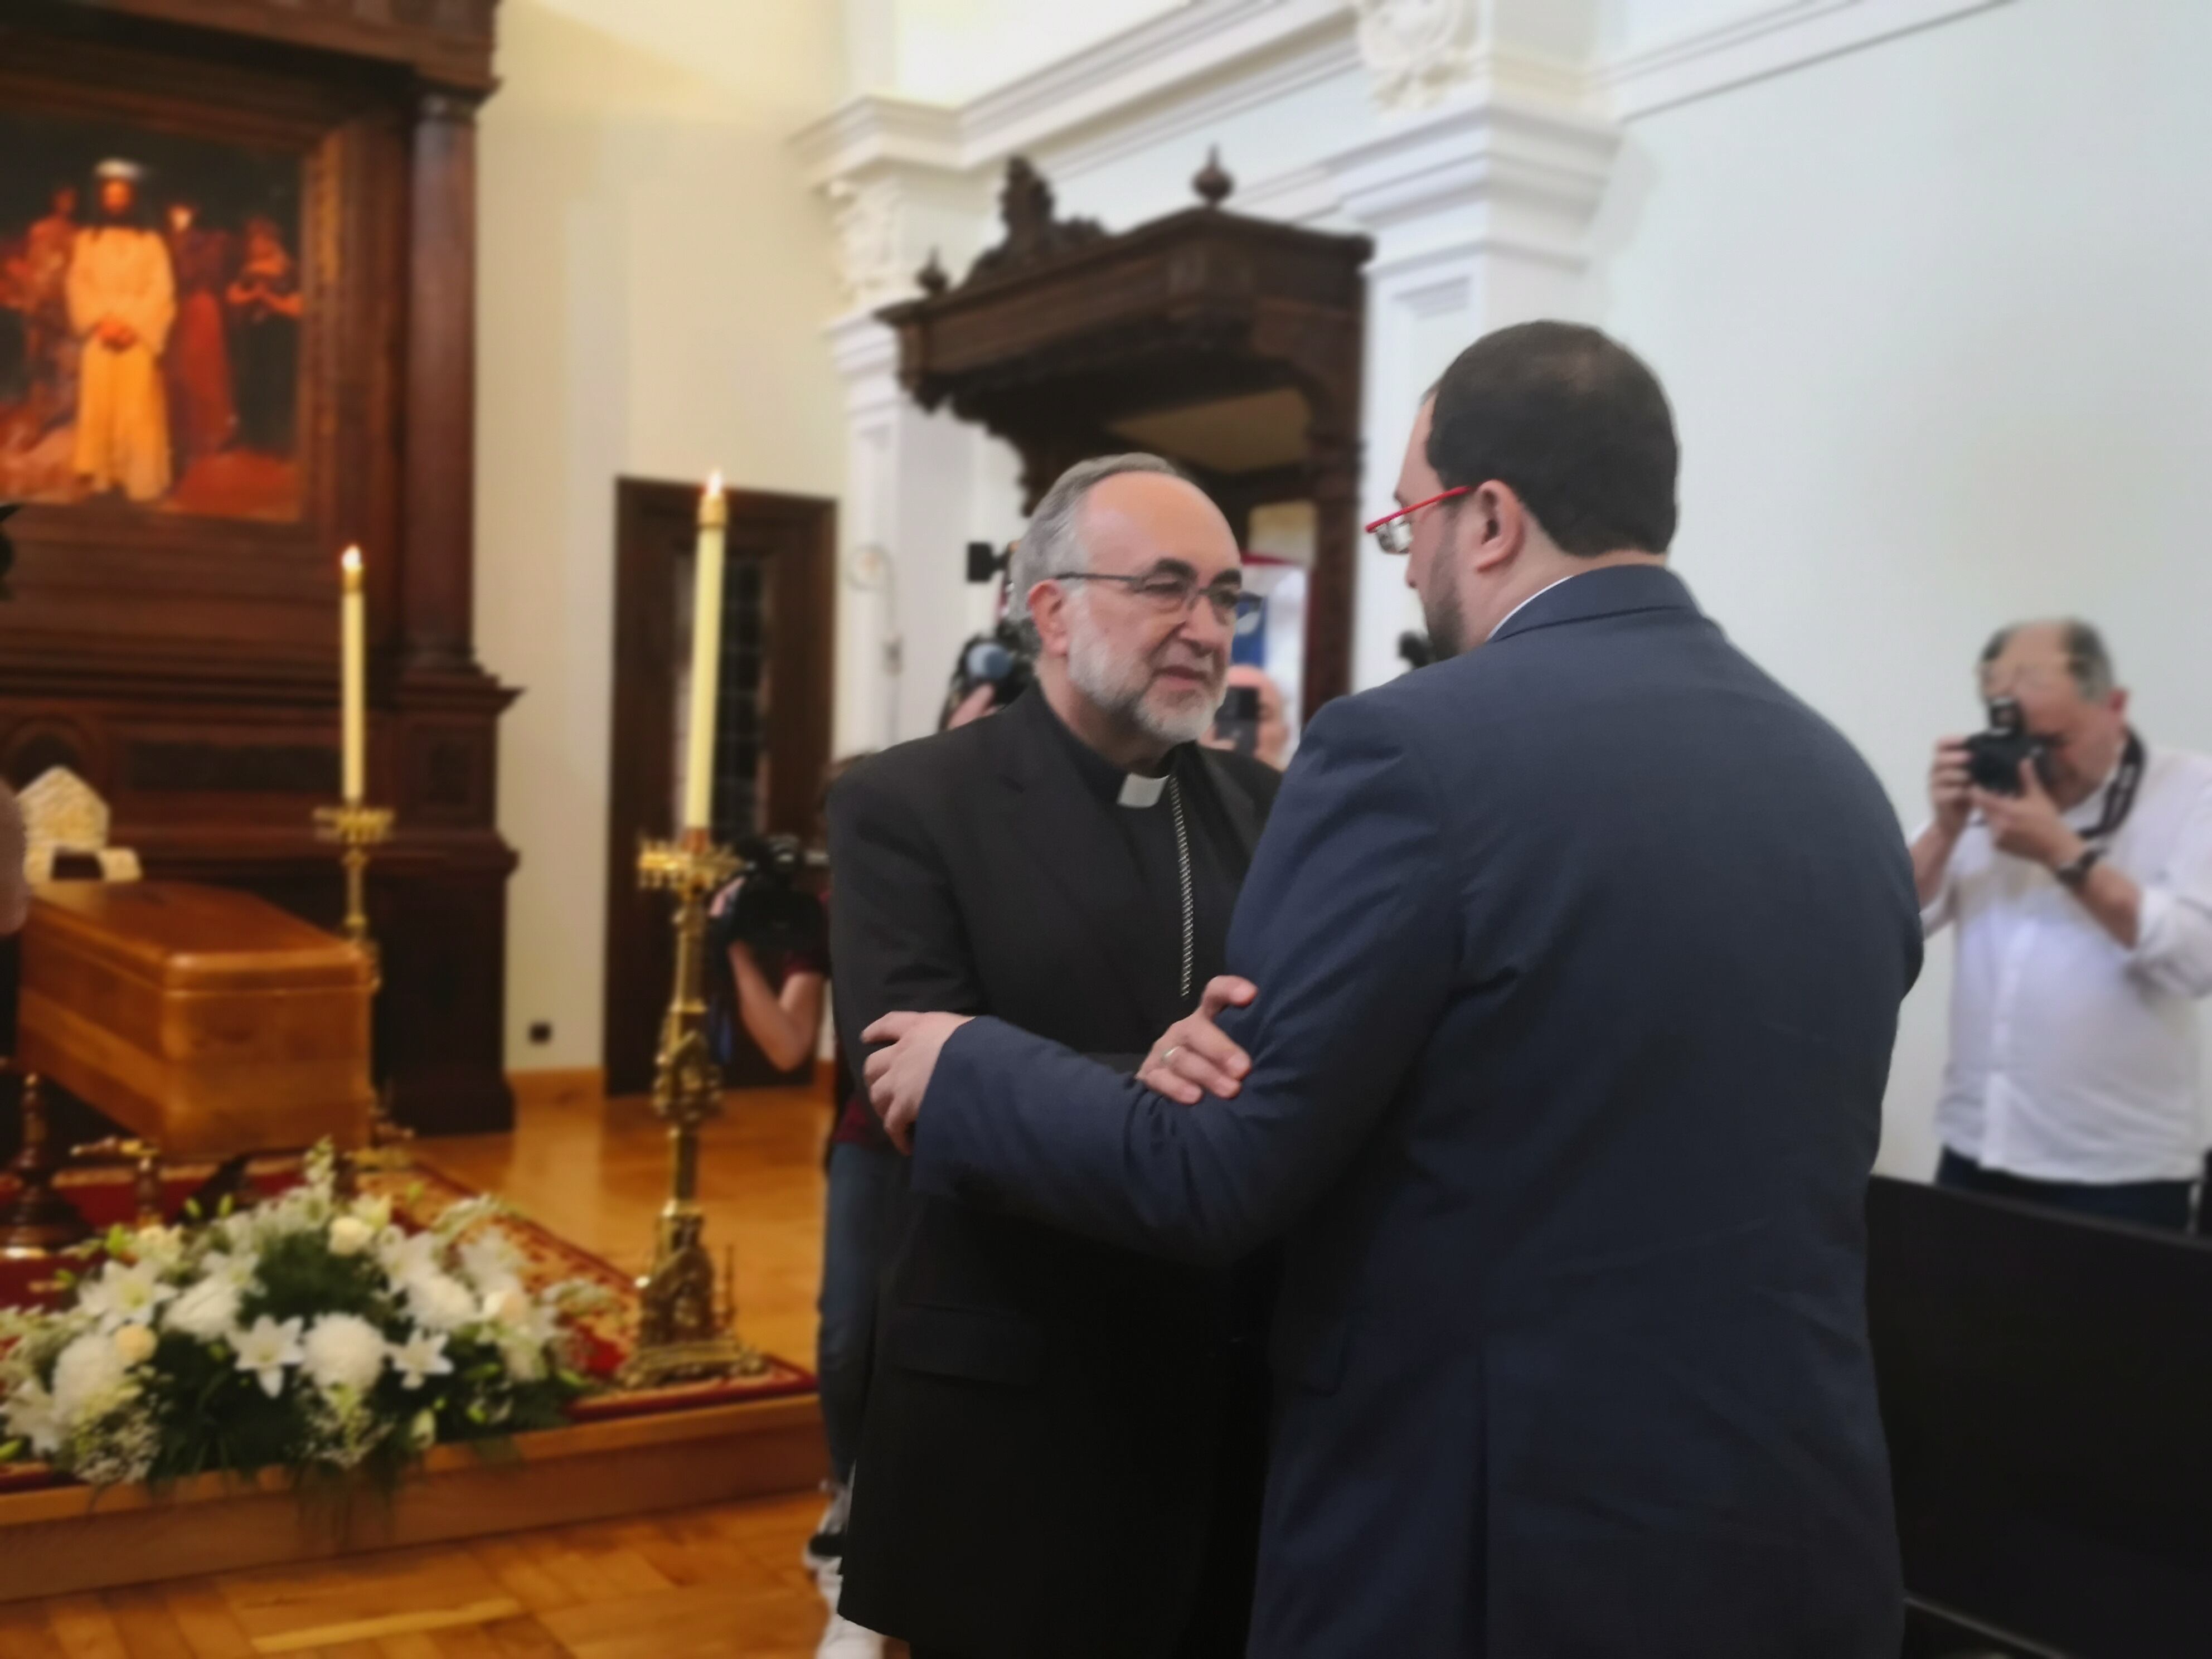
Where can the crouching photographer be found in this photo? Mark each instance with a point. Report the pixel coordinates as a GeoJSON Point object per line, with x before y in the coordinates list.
{"type": "Point", "coordinates": [2076, 861]}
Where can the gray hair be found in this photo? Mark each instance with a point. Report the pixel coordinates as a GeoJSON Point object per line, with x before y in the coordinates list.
{"type": "Point", "coordinates": [2086, 659]}
{"type": "Point", "coordinates": [1052, 542]}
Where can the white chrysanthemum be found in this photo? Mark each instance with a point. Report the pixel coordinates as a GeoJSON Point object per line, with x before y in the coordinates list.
{"type": "Point", "coordinates": [136, 1343]}
{"type": "Point", "coordinates": [89, 1379]}
{"type": "Point", "coordinates": [125, 1293]}
{"type": "Point", "coordinates": [439, 1302]}
{"type": "Point", "coordinates": [32, 1413]}
{"type": "Point", "coordinates": [349, 1235]}
{"type": "Point", "coordinates": [422, 1355]}
{"type": "Point", "coordinates": [206, 1311]}
{"type": "Point", "coordinates": [344, 1350]}
{"type": "Point", "coordinates": [266, 1349]}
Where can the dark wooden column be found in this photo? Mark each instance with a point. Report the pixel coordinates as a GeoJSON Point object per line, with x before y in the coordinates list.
{"type": "Point", "coordinates": [440, 434]}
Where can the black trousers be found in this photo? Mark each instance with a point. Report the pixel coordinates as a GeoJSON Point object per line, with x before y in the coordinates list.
{"type": "Point", "coordinates": [2161, 1204]}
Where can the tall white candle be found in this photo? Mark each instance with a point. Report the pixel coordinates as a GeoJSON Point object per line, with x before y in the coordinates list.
{"type": "Point", "coordinates": [353, 695]}
{"type": "Point", "coordinates": [706, 658]}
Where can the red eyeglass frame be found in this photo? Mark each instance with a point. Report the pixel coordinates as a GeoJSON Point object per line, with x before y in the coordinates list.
{"type": "Point", "coordinates": [1369, 529]}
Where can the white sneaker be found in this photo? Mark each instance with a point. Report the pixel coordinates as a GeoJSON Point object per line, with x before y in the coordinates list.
{"type": "Point", "coordinates": [842, 1638]}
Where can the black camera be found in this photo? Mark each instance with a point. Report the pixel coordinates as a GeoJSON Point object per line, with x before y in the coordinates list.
{"type": "Point", "coordinates": [772, 914]}
{"type": "Point", "coordinates": [1237, 722]}
{"type": "Point", "coordinates": [1994, 757]}
{"type": "Point", "coordinates": [1000, 659]}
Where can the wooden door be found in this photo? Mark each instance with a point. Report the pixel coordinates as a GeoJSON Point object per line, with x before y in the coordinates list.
{"type": "Point", "coordinates": [772, 736]}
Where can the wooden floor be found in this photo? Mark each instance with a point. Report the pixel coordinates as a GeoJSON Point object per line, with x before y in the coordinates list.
{"type": "Point", "coordinates": [701, 1583]}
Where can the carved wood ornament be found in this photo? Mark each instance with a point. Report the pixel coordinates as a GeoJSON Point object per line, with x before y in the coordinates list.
{"type": "Point", "coordinates": [1063, 331]}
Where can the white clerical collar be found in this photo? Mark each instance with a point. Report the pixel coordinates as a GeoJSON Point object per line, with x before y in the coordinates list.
{"type": "Point", "coordinates": [1138, 790]}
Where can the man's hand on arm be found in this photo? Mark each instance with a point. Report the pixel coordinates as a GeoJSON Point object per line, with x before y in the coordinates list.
{"type": "Point", "coordinates": [898, 1076]}
{"type": "Point", "coordinates": [1195, 1057]}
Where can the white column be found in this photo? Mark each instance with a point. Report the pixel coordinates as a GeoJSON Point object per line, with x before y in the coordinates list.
{"type": "Point", "coordinates": [1479, 192]}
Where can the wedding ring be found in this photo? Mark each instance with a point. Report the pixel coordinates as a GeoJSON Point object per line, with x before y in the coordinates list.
{"type": "Point", "coordinates": [1170, 1053]}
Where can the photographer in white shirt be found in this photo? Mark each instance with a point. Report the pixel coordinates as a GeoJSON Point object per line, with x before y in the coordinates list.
{"type": "Point", "coordinates": [2083, 903]}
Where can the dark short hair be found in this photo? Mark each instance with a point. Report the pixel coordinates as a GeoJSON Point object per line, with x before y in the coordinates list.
{"type": "Point", "coordinates": [1573, 423]}
{"type": "Point", "coordinates": [2086, 659]}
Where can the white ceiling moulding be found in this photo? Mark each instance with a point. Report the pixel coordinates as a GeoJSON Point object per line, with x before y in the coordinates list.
{"type": "Point", "coordinates": [1767, 41]}
{"type": "Point", "coordinates": [1180, 57]}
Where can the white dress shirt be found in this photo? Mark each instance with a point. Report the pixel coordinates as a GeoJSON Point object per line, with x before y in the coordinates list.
{"type": "Point", "coordinates": [2074, 1058]}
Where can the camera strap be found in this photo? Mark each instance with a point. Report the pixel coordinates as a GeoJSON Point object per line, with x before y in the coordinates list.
{"type": "Point", "coordinates": [2120, 798]}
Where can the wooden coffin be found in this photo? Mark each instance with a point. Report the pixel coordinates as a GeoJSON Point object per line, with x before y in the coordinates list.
{"type": "Point", "coordinates": [206, 1021]}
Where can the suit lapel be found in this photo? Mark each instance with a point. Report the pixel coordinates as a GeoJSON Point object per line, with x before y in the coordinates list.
{"type": "Point", "coordinates": [1052, 812]}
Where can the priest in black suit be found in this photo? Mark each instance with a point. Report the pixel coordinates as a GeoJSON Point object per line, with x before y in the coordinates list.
{"type": "Point", "coordinates": [1064, 1442]}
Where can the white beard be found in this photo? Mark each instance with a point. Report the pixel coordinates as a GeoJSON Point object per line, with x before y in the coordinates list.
{"type": "Point", "coordinates": [1124, 688]}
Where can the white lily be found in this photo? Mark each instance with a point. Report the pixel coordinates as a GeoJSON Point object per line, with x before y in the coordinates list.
{"type": "Point", "coordinates": [32, 1413]}
{"type": "Point", "coordinates": [125, 1293]}
{"type": "Point", "coordinates": [267, 1349]}
{"type": "Point", "coordinates": [422, 1356]}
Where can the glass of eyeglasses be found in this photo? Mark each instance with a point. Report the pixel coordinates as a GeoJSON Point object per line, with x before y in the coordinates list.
{"type": "Point", "coordinates": [1394, 531]}
{"type": "Point", "coordinates": [1172, 591]}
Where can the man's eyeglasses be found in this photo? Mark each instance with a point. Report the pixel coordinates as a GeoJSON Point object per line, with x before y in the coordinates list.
{"type": "Point", "coordinates": [1173, 593]}
{"type": "Point", "coordinates": [1394, 531]}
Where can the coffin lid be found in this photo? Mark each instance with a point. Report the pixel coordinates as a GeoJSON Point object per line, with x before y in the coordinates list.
{"type": "Point", "coordinates": [185, 937]}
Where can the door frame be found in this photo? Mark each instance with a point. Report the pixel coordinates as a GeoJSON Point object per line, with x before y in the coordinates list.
{"type": "Point", "coordinates": [655, 526]}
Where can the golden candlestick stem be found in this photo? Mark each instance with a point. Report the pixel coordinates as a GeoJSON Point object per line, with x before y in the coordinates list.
{"type": "Point", "coordinates": [356, 828]}
{"type": "Point", "coordinates": [684, 1330]}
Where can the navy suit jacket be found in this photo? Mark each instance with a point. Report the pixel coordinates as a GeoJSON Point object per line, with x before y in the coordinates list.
{"type": "Point", "coordinates": [1579, 960]}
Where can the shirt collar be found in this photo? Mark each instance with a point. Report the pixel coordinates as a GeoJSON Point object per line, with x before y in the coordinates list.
{"type": "Point", "coordinates": [1106, 781]}
{"type": "Point", "coordinates": [1532, 599]}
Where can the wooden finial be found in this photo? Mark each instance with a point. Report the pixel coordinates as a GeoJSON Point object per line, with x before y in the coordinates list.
{"type": "Point", "coordinates": [931, 277]}
{"type": "Point", "coordinates": [1212, 182]}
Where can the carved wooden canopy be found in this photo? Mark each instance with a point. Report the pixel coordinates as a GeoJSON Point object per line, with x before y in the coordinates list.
{"type": "Point", "coordinates": [1063, 332]}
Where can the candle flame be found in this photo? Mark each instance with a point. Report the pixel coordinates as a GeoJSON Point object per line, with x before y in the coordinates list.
{"type": "Point", "coordinates": [715, 482]}
{"type": "Point", "coordinates": [352, 561]}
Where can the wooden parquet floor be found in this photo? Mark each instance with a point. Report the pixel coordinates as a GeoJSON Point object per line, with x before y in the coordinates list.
{"type": "Point", "coordinates": [692, 1584]}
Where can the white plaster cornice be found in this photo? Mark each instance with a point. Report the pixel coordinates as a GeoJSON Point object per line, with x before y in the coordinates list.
{"type": "Point", "coordinates": [1191, 66]}
{"type": "Point", "coordinates": [1768, 39]}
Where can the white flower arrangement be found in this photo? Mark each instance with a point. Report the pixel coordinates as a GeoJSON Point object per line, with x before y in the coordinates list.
{"type": "Point", "coordinates": [308, 1332]}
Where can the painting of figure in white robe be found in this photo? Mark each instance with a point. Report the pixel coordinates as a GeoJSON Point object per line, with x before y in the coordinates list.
{"type": "Point", "coordinates": [152, 300]}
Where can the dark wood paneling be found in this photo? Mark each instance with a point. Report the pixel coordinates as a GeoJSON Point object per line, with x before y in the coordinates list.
{"type": "Point", "coordinates": [655, 525]}
{"type": "Point", "coordinates": [187, 666]}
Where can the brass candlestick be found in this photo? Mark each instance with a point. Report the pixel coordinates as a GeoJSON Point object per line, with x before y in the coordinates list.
{"type": "Point", "coordinates": [682, 1332]}
{"type": "Point", "coordinates": [356, 828]}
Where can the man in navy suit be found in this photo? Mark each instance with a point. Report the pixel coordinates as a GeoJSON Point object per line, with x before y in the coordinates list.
{"type": "Point", "coordinates": [1578, 959]}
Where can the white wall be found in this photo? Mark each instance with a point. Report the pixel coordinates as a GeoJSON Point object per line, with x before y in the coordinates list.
{"type": "Point", "coordinates": [652, 269]}
{"type": "Point", "coordinates": [1937, 320]}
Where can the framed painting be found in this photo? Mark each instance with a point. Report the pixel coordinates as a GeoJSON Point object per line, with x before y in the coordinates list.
{"type": "Point", "coordinates": [151, 309]}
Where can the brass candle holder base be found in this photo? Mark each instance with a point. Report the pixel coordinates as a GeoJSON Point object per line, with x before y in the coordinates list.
{"type": "Point", "coordinates": [684, 1330]}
